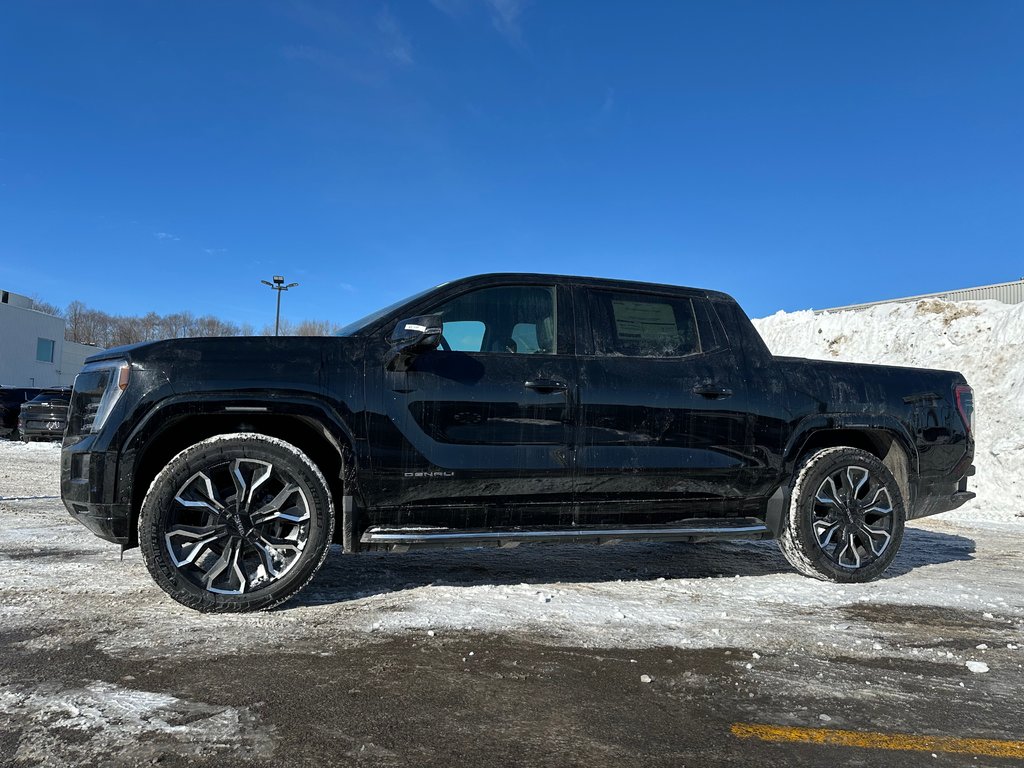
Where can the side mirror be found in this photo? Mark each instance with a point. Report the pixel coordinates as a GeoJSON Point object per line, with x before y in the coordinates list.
{"type": "Point", "coordinates": [411, 336]}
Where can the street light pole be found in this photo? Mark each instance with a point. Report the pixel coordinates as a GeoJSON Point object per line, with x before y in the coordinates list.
{"type": "Point", "coordinates": [278, 285]}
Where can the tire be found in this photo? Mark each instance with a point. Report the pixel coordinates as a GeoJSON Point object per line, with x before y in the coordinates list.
{"type": "Point", "coordinates": [846, 517]}
{"type": "Point", "coordinates": [216, 555]}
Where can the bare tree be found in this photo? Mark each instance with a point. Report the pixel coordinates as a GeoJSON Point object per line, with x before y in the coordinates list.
{"type": "Point", "coordinates": [45, 306]}
{"type": "Point", "coordinates": [302, 328]}
{"type": "Point", "coordinates": [91, 326]}
{"type": "Point", "coordinates": [75, 316]}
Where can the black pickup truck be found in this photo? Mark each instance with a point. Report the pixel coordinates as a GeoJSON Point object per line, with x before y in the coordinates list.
{"type": "Point", "coordinates": [499, 410]}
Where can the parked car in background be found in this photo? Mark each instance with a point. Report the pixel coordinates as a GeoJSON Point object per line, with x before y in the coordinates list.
{"type": "Point", "coordinates": [11, 400]}
{"type": "Point", "coordinates": [45, 415]}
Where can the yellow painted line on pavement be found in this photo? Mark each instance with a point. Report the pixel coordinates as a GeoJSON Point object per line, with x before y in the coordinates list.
{"type": "Point", "coordinates": [907, 742]}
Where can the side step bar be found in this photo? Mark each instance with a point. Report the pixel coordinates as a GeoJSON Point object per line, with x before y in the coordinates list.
{"type": "Point", "coordinates": [405, 537]}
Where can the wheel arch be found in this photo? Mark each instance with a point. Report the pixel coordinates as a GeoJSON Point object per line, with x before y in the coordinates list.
{"type": "Point", "coordinates": [884, 438]}
{"type": "Point", "coordinates": [310, 426]}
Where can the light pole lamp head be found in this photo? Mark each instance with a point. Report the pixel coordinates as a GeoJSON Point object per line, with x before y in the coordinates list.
{"type": "Point", "coordinates": [278, 279]}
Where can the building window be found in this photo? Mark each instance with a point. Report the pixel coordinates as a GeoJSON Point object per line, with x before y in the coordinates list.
{"type": "Point", "coordinates": [44, 350]}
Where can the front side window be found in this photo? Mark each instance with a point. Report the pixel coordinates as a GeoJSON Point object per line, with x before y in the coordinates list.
{"type": "Point", "coordinates": [44, 350]}
{"type": "Point", "coordinates": [642, 325]}
{"type": "Point", "coordinates": [516, 319]}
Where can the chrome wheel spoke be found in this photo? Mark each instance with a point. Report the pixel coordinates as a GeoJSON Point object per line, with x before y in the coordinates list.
{"type": "Point", "coordinates": [877, 506]}
{"type": "Point", "coordinates": [191, 541]}
{"type": "Point", "coordinates": [877, 540]}
{"type": "Point", "coordinates": [829, 494]}
{"type": "Point", "coordinates": [848, 549]}
{"type": "Point", "coordinates": [198, 493]}
{"type": "Point", "coordinates": [276, 554]}
{"type": "Point", "coordinates": [269, 562]}
{"type": "Point", "coordinates": [273, 509]}
{"type": "Point", "coordinates": [825, 530]}
{"type": "Point", "coordinates": [223, 563]}
{"type": "Point", "coordinates": [228, 568]}
{"type": "Point", "coordinates": [854, 479]}
{"type": "Point", "coordinates": [248, 475]}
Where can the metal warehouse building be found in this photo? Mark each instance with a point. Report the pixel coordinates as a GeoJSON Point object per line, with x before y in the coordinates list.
{"type": "Point", "coordinates": [33, 352]}
{"type": "Point", "coordinates": [1008, 293]}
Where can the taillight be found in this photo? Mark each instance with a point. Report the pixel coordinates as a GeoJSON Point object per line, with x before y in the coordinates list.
{"type": "Point", "coordinates": [965, 405]}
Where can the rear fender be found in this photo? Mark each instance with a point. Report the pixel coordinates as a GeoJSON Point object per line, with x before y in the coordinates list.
{"type": "Point", "coordinates": [836, 429]}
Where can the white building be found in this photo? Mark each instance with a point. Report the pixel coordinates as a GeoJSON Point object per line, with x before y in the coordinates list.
{"type": "Point", "coordinates": [1008, 293]}
{"type": "Point", "coordinates": [33, 352]}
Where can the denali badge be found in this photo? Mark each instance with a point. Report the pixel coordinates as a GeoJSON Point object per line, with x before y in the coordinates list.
{"type": "Point", "coordinates": [438, 473]}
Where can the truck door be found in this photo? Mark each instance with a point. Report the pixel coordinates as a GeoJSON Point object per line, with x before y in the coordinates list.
{"type": "Point", "coordinates": [663, 427]}
{"type": "Point", "coordinates": [482, 424]}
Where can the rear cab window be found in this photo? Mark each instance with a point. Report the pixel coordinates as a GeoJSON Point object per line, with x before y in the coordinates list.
{"type": "Point", "coordinates": [632, 324]}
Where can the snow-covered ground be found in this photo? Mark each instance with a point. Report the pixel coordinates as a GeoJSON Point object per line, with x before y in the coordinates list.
{"type": "Point", "coordinates": [636, 595]}
{"type": "Point", "coordinates": [984, 340]}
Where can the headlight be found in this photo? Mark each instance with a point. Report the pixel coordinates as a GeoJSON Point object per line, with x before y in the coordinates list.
{"type": "Point", "coordinates": [97, 389]}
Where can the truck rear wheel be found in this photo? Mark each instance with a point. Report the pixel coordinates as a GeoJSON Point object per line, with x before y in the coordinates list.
{"type": "Point", "coordinates": [237, 522]}
{"type": "Point", "coordinates": [846, 517]}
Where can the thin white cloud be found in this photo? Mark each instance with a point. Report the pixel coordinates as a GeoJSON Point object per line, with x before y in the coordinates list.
{"type": "Point", "coordinates": [215, 251]}
{"type": "Point", "coordinates": [165, 236]}
{"type": "Point", "coordinates": [319, 17]}
{"type": "Point", "coordinates": [347, 287]}
{"type": "Point", "coordinates": [333, 63]}
{"type": "Point", "coordinates": [505, 16]}
{"type": "Point", "coordinates": [365, 49]}
{"type": "Point", "coordinates": [609, 103]}
{"type": "Point", "coordinates": [452, 8]}
{"type": "Point", "coordinates": [393, 41]}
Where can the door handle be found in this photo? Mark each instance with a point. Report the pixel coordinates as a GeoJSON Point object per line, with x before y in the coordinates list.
{"type": "Point", "coordinates": [712, 392]}
{"type": "Point", "coordinates": [546, 385]}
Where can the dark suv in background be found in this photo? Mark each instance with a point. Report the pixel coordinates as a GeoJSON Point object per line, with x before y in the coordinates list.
{"type": "Point", "coordinates": [11, 400]}
{"type": "Point", "coordinates": [45, 415]}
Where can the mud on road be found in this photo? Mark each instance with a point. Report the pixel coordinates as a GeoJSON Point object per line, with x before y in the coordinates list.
{"type": "Point", "coordinates": [636, 654]}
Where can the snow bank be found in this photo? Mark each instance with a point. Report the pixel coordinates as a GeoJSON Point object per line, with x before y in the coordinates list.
{"type": "Point", "coordinates": [121, 723]}
{"type": "Point", "coordinates": [984, 340]}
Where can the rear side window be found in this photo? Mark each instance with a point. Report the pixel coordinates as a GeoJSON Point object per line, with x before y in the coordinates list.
{"type": "Point", "coordinates": [642, 325]}
{"type": "Point", "coordinates": [712, 334]}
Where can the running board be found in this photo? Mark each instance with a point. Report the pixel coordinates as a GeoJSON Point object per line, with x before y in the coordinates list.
{"type": "Point", "coordinates": [405, 537]}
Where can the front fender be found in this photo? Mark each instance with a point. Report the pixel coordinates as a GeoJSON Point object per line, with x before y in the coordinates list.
{"type": "Point", "coordinates": [176, 421]}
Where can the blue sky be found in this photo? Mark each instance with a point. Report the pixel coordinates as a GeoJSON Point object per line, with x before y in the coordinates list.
{"type": "Point", "coordinates": [170, 155]}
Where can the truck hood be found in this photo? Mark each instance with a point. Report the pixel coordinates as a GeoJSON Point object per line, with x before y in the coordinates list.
{"type": "Point", "coordinates": [239, 363]}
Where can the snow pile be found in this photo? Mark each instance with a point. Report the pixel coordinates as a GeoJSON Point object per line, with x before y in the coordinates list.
{"type": "Point", "coordinates": [984, 340]}
{"type": "Point", "coordinates": [125, 725]}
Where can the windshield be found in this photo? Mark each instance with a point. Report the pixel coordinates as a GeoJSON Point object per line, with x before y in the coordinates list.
{"type": "Point", "coordinates": [364, 322]}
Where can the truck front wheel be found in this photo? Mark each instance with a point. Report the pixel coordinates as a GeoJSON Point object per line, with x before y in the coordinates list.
{"type": "Point", "coordinates": [846, 517]}
{"type": "Point", "coordinates": [237, 522]}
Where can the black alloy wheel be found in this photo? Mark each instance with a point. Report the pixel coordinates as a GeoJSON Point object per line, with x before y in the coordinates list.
{"type": "Point", "coordinates": [846, 516]}
{"type": "Point", "coordinates": [237, 522]}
